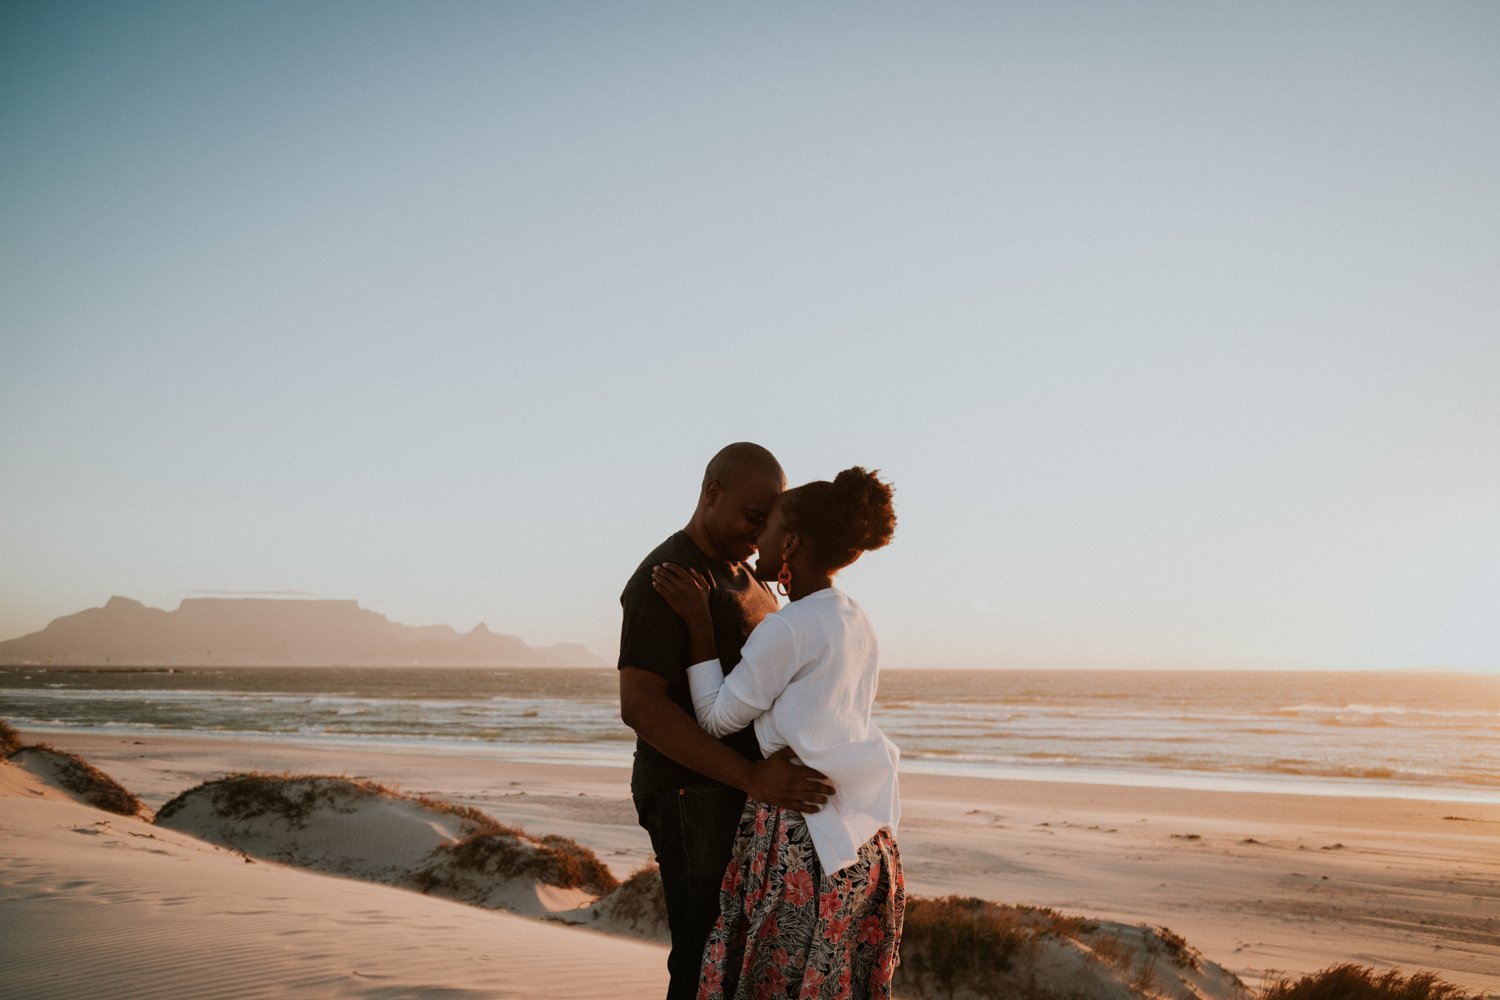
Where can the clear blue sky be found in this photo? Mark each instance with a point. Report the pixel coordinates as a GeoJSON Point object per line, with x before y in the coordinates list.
{"type": "Point", "coordinates": [1177, 326]}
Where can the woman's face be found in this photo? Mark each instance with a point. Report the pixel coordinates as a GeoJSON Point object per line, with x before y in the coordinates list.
{"type": "Point", "coordinates": [771, 544]}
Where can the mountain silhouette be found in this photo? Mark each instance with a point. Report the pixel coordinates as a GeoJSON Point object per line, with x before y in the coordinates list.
{"type": "Point", "coordinates": [216, 631]}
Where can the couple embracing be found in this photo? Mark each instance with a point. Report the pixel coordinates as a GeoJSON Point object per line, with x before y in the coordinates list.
{"type": "Point", "coordinates": [769, 795]}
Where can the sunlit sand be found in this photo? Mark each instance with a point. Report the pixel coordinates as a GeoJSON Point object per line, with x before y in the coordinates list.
{"type": "Point", "coordinates": [1260, 883]}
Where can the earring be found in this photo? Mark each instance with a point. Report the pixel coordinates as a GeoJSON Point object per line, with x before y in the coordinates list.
{"type": "Point", "coordinates": [784, 579]}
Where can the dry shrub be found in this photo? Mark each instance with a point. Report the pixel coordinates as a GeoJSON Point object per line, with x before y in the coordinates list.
{"type": "Point", "coordinates": [293, 798]}
{"type": "Point", "coordinates": [639, 903]}
{"type": "Point", "coordinates": [85, 780]}
{"type": "Point", "coordinates": [960, 942]}
{"type": "Point", "coordinates": [1358, 982]}
{"type": "Point", "coordinates": [1177, 947]}
{"type": "Point", "coordinates": [505, 852]}
{"type": "Point", "coordinates": [482, 821]}
{"type": "Point", "coordinates": [10, 740]}
{"type": "Point", "coordinates": [1145, 974]}
{"type": "Point", "coordinates": [1112, 951]}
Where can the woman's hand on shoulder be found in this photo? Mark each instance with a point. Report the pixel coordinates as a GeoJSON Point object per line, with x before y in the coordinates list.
{"type": "Point", "coordinates": [684, 590]}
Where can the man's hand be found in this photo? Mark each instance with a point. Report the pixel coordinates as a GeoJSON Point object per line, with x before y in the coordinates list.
{"type": "Point", "coordinates": [780, 782]}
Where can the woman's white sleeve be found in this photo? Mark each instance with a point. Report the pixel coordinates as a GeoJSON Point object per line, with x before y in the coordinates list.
{"type": "Point", "coordinates": [728, 704]}
{"type": "Point", "coordinates": [719, 712]}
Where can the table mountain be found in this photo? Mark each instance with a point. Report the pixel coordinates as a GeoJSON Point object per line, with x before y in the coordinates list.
{"type": "Point", "coordinates": [215, 631]}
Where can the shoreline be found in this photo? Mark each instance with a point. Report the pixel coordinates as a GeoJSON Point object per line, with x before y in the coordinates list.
{"type": "Point", "coordinates": [1261, 882]}
{"type": "Point", "coordinates": [596, 755]}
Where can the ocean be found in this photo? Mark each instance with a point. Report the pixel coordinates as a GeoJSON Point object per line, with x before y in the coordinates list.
{"type": "Point", "coordinates": [1391, 734]}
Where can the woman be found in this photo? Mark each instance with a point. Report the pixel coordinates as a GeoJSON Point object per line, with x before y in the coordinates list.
{"type": "Point", "coordinates": [811, 906]}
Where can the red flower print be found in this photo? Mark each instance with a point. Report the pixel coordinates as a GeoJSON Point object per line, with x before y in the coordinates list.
{"type": "Point", "coordinates": [772, 986]}
{"type": "Point", "coordinates": [870, 931]}
{"type": "Point", "coordinates": [812, 981]}
{"type": "Point", "coordinates": [828, 905]}
{"type": "Point", "coordinates": [873, 882]}
{"type": "Point", "coordinates": [837, 929]}
{"type": "Point", "coordinates": [799, 887]}
{"type": "Point", "coordinates": [716, 952]}
{"type": "Point", "coordinates": [754, 896]}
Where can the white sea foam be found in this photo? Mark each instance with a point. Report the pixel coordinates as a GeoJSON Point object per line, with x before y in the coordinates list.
{"type": "Point", "coordinates": [1352, 733]}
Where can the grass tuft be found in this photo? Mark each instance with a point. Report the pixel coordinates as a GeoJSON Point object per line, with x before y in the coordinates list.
{"type": "Point", "coordinates": [963, 943]}
{"type": "Point", "coordinates": [293, 798]}
{"type": "Point", "coordinates": [10, 740]}
{"type": "Point", "coordinates": [505, 852]}
{"type": "Point", "coordinates": [1358, 982]}
{"type": "Point", "coordinates": [1177, 947]}
{"type": "Point", "coordinates": [83, 779]}
{"type": "Point", "coordinates": [639, 903]}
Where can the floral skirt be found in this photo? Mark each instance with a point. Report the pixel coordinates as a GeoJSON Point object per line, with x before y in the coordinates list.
{"type": "Point", "coordinates": [786, 930]}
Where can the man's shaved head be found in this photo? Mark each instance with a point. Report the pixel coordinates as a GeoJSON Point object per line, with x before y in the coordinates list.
{"type": "Point", "coordinates": [739, 486]}
{"type": "Point", "coordinates": [735, 462]}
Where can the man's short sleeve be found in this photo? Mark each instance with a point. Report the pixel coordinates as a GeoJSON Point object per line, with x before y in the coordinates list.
{"type": "Point", "coordinates": [652, 636]}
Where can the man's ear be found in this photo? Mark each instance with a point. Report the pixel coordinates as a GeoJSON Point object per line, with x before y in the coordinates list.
{"type": "Point", "coordinates": [711, 492]}
{"type": "Point", "coordinates": [789, 546]}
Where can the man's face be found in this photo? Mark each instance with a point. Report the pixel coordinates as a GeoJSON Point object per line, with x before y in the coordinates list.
{"type": "Point", "coordinates": [737, 513]}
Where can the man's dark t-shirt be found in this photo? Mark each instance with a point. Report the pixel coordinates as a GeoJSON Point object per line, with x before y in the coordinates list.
{"type": "Point", "coordinates": [654, 638]}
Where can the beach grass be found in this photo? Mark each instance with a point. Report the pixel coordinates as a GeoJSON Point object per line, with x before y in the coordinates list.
{"type": "Point", "coordinates": [1358, 982]}
{"type": "Point", "coordinates": [509, 853]}
{"type": "Point", "coordinates": [964, 943]}
{"type": "Point", "coordinates": [292, 798]}
{"type": "Point", "coordinates": [78, 776]}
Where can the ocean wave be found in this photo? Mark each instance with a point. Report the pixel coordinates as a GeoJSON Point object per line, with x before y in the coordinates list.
{"type": "Point", "coordinates": [1400, 711]}
{"type": "Point", "coordinates": [1293, 731]}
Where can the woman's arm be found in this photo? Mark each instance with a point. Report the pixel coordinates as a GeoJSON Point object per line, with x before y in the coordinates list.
{"type": "Point", "coordinates": [768, 661]}
{"type": "Point", "coordinates": [719, 711]}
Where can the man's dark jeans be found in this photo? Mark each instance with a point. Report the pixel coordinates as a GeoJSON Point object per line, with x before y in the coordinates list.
{"type": "Point", "coordinates": [692, 832]}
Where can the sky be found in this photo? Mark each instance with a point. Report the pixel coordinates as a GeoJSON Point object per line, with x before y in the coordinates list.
{"type": "Point", "coordinates": [1175, 326]}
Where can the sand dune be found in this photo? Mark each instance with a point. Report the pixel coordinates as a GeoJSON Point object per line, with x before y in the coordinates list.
{"type": "Point", "coordinates": [1257, 882]}
{"type": "Point", "coordinates": [78, 780]}
{"type": "Point", "coordinates": [366, 831]}
{"type": "Point", "coordinates": [102, 905]}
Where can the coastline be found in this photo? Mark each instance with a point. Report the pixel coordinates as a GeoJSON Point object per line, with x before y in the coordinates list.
{"type": "Point", "coordinates": [1261, 882]}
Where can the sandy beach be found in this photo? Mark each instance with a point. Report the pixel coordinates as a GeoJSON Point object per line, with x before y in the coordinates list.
{"type": "Point", "coordinates": [1260, 883]}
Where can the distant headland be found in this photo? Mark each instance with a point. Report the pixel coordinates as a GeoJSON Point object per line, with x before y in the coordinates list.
{"type": "Point", "coordinates": [253, 632]}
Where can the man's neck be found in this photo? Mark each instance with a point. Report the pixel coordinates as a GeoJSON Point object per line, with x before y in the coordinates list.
{"type": "Point", "coordinates": [699, 537]}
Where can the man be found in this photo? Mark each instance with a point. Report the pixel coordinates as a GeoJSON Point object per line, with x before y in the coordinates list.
{"type": "Point", "coordinates": [690, 788]}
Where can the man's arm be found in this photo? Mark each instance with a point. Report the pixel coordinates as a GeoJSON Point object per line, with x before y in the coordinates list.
{"type": "Point", "coordinates": [660, 721]}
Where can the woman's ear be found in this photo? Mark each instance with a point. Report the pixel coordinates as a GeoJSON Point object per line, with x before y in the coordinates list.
{"type": "Point", "coordinates": [789, 546]}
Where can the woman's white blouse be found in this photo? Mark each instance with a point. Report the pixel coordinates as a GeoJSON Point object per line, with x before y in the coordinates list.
{"type": "Point", "coordinates": [807, 680]}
